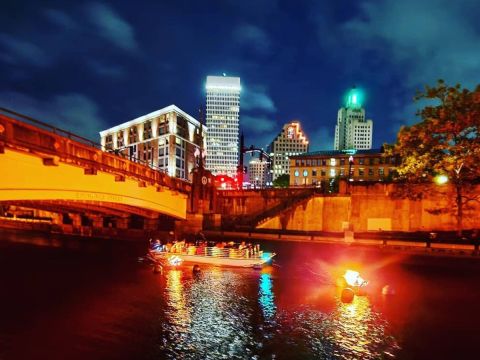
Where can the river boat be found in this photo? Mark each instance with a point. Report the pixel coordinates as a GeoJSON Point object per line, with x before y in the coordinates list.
{"type": "Point", "coordinates": [229, 256]}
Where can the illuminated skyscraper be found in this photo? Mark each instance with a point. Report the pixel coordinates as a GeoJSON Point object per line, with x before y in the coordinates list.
{"type": "Point", "coordinates": [292, 140]}
{"type": "Point", "coordinates": [352, 130]}
{"type": "Point", "coordinates": [223, 108]}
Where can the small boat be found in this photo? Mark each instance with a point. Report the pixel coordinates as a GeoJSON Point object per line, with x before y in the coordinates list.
{"type": "Point", "coordinates": [213, 255]}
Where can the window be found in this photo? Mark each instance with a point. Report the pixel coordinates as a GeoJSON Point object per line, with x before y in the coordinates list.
{"type": "Point", "coordinates": [296, 173]}
{"type": "Point", "coordinates": [109, 142]}
{"type": "Point", "coordinates": [342, 161]}
{"type": "Point", "coordinates": [314, 172]}
{"type": "Point", "coordinates": [120, 142]}
{"type": "Point", "coordinates": [147, 130]}
{"type": "Point", "coordinates": [361, 172]}
{"type": "Point", "coordinates": [163, 153]}
{"type": "Point", "coordinates": [370, 171]}
{"type": "Point", "coordinates": [132, 135]}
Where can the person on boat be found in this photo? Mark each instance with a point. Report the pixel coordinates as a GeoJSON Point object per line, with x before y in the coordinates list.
{"type": "Point", "coordinates": [155, 245]}
{"type": "Point", "coordinates": [200, 237]}
{"type": "Point", "coordinates": [178, 247]}
{"type": "Point", "coordinates": [200, 248]}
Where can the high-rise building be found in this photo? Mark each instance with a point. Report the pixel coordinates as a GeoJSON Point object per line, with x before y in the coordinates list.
{"type": "Point", "coordinates": [223, 108]}
{"type": "Point", "coordinates": [352, 130]}
{"type": "Point", "coordinates": [289, 142]}
{"type": "Point", "coordinates": [258, 173]}
{"type": "Point", "coordinates": [167, 139]}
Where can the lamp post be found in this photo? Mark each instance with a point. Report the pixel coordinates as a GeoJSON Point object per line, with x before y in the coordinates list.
{"type": "Point", "coordinates": [350, 163]}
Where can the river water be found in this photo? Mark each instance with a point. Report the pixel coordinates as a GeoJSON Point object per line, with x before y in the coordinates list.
{"type": "Point", "coordinates": [92, 299]}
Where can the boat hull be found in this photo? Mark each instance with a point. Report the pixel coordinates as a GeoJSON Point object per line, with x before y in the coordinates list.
{"type": "Point", "coordinates": [217, 261]}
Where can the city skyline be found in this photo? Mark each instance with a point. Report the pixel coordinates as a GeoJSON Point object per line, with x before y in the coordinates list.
{"type": "Point", "coordinates": [86, 67]}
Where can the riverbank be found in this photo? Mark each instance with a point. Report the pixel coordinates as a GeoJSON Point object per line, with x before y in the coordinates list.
{"type": "Point", "coordinates": [414, 246]}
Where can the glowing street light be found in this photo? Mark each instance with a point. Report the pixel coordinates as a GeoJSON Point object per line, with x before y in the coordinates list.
{"type": "Point", "coordinates": [440, 179]}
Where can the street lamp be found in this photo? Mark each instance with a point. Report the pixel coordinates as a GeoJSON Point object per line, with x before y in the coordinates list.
{"type": "Point", "coordinates": [440, 179]}
{"type": "Point", "coordinates": [350, 163]}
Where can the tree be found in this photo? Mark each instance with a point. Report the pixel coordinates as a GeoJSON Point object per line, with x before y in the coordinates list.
{"type": "Point", "coordinates": [283, 181]}
{"type": "Point", "coordinates": [446, 142]}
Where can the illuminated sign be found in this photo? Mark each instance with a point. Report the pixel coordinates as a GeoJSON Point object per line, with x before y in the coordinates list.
{"type": "Point", "coordinates": [290, 132]}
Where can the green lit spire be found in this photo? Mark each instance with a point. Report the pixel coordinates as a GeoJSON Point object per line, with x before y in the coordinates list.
{"type": "Point", "coordinates": [354, 98]}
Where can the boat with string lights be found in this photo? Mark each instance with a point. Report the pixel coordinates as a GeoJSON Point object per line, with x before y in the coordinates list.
{"type": "Point", "coordinates": [227, 256]}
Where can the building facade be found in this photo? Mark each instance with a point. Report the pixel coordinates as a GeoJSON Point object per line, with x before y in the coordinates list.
{"type": "Point", "coordinates": [289, 142]}
{"type": "Point", "coordinates": [258, 173]}
{"type": "Point", "coordinates": [167, 139]}
{"type": "Point", "coordinates": [352, 130]}
{"type": "Point", "coordinates": [222, 119]}
{"type": "Point", "coordinates": [315, 168]}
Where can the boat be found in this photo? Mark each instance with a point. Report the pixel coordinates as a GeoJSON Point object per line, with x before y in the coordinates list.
{"type": "Point", "coordinates": [230, 256]}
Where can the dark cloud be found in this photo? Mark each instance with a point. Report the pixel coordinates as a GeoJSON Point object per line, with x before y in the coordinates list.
{"type": "Point", "coordinates": [253, 37]}
{"type": "Point", "coordinates": [73, 112]}
{"type": "Point", "coordinates": [18, 51]}
{"type": "Point", "coordinates": [257, 124]}
{"type": "Point", "coordinates": [256, 98]}
{"type": "Point", "coordinates": [111, 61]}
{"type": "Point", "coordinates": [61, 19]}
{"type": "Point", "coordinates": [111, 26]}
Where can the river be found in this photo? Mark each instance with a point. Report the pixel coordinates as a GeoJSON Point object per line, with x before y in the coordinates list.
{"type": "Point", "coordinates": [92, 299]}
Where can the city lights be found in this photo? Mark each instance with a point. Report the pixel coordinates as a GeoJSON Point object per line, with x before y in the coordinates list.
{"type": "Point", "coordinates": [441, 179]}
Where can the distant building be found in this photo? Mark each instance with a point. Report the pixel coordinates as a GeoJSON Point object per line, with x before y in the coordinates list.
{"type": "Point", "coordinates": [168, 139]}
{"type": "Point", "coordinates": [352, 130]}
{"type": "Point", "coordinates": [289, 142]}
{"type": "Point", "coordinates": [258, 173]}
{"type": "Point", "coordinates": [223, 109]}
{"type": "Point", "coordinates": [359, 165]}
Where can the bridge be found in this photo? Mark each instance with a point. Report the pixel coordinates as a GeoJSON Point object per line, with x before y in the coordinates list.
{"type": "Point", "coordinates": [49, 169]}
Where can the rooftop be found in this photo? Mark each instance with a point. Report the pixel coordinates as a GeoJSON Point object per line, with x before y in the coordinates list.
{"type": "Point", "coordinates": [149, 116]}
{"type": "Point", "coordinates": [223, 83]}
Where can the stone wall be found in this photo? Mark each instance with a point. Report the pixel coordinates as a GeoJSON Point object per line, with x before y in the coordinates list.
{"type": "Point", "coordinates": [373, 207]}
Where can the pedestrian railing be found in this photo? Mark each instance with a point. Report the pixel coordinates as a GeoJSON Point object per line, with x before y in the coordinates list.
{"type": "Point", "coordinates": [25, 133]}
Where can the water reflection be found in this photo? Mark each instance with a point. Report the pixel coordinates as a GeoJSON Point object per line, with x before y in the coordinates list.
{"type": "Point", "coordinates": [214, 316]}
{"type": "Point", "coordinates": [360, 332]}
{"type": "Point", "coordinates": [208, 317]}
{"type": "Point", "coordinates": [266, 297]}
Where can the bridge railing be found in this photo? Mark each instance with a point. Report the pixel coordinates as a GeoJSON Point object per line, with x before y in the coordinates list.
{"type": "Point", "coordinates": [49, 141]}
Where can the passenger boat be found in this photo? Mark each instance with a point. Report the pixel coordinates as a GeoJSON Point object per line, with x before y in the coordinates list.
{"type": "Point", "coordinates": [214, 256]}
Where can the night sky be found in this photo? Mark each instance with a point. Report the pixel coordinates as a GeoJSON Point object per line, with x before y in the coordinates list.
{"type": "Point", "coordinates": [86, 66]}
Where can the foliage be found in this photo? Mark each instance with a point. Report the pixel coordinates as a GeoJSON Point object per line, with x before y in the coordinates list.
{"type": "Point", "coordinates": [445, 142]}
{"type": "Point", "coordinates": [283, 181]}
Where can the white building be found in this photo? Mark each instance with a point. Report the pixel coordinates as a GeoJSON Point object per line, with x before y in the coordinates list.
{"type": "Point", "coordinates": [289, 142]}
{"type": "Point", "coordinates": [258, 173]}
{"type": "Point", "coordinates": [223, 108]}
{"type": "Point", "coordinates": [352, 130]}
{"type": "Point", "coordinates": [167, 139]}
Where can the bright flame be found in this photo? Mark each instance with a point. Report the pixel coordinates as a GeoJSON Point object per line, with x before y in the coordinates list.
{"type": "Point", "coordinates": [353, 278]}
